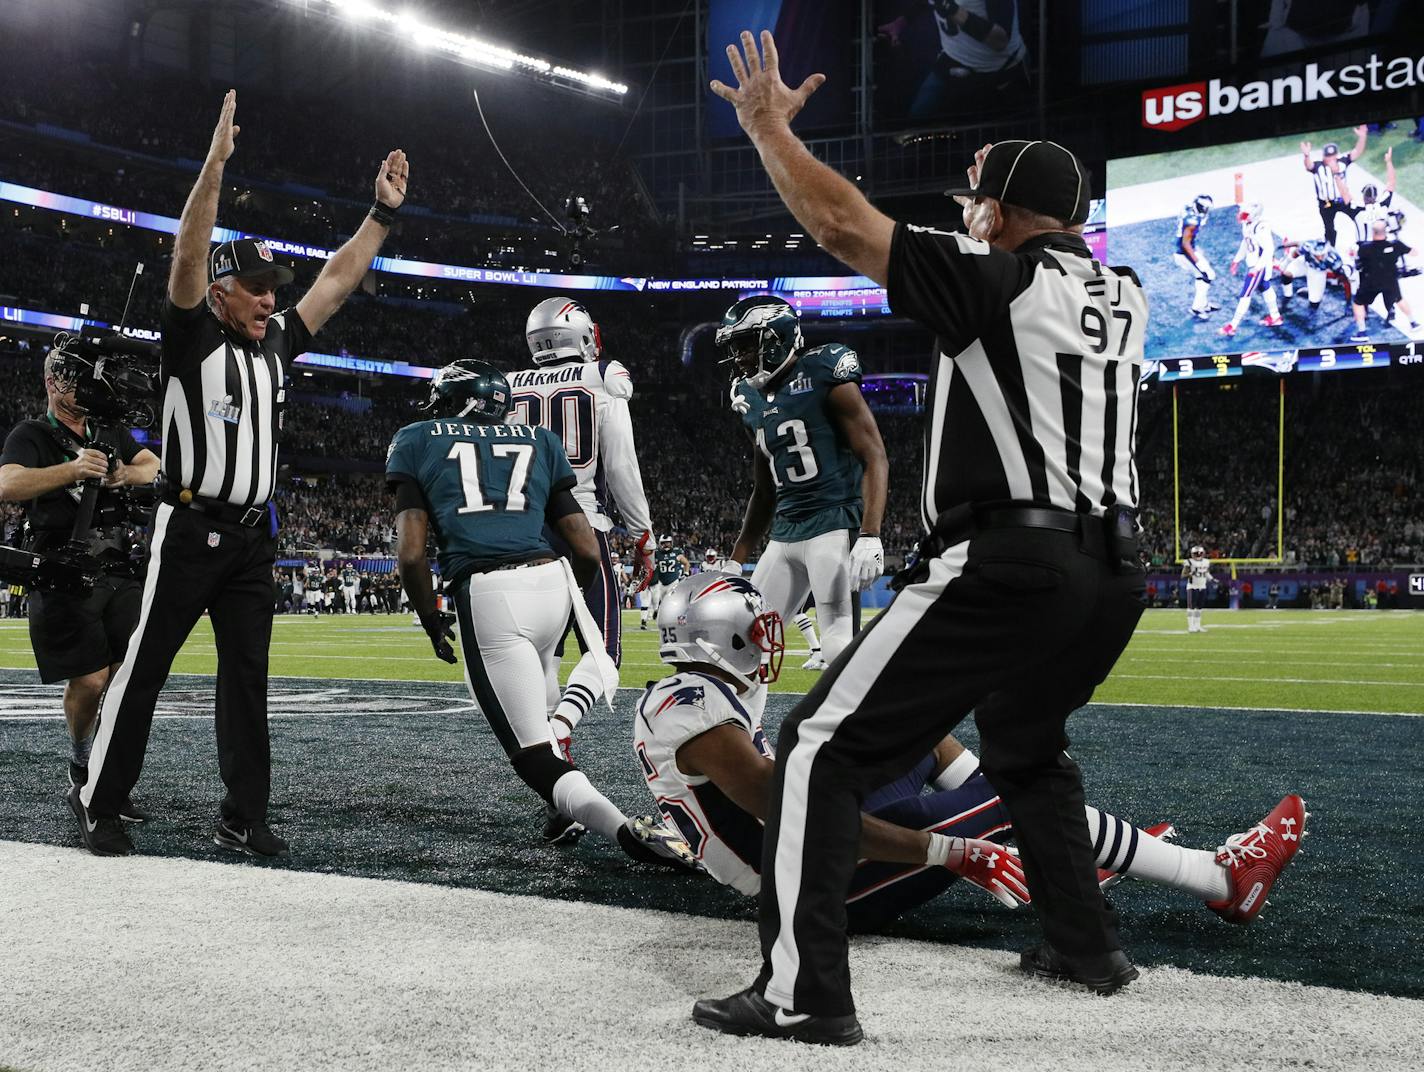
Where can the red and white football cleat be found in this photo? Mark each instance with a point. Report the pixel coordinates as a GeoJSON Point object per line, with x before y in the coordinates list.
{"type": "Point", "coordinates": [1255, 859]}
{"type": "Point", "coordinates": [1272, 321]}
{"type": "Point", "coordinates": [1161, 831]}
{"type": "Point", "coordinates": [1228, 329]}
{"type": "Point", "coordinates": [991, 867]}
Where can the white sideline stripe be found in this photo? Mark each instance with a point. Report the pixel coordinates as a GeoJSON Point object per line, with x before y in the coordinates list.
{"type": "Point", "coordinates": [858, 675]}
{"type": "Point", "coordinates": [414, 990]}
{"type": "Point", "coordinates": [115, 694]}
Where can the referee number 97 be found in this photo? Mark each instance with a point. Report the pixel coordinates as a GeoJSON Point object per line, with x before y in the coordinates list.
{"type": "Point", "coordinates": [1095, 328]}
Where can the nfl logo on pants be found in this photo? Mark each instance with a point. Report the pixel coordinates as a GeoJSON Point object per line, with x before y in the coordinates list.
{"type": "Point", "coordinates": [214, 539]}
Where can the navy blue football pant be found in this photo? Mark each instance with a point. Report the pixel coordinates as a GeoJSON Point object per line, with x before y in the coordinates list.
{"type": "Point", "coordinates": [881, 892]}
{"type": "Point", "coordinates": [601, 596]}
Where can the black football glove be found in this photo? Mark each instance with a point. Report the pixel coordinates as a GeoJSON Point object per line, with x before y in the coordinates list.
{"type": "Point", "coordinates": [437, 628]}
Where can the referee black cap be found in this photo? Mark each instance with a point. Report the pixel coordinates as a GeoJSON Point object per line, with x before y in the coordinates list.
{"type": "Point", "coordinates": [1040, 176]}
{"type": "Point", "coordinates": [246, 256]}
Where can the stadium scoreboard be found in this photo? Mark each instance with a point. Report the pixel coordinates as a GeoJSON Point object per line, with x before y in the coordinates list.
{"type": "Point", "coordinates": [1313, 359]}
{"type": "Point", "coordinates": [870, 301]}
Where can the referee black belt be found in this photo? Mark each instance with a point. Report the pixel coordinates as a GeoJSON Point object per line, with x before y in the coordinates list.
{"type": "Point", "coordinates": [964, 522]}
{"type": "Point", "coordinates": [226, 513]}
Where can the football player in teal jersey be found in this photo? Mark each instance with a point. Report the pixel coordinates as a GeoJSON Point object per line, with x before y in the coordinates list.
{"type": "Point", "coordinates": [487, 489]}
{"type": "Point", "coordinates": [670, 565]}
{"type": "Point", "coordinates": [819, 466]}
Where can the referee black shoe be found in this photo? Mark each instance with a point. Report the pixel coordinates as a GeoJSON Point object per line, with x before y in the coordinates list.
{"type": "Point", "coordinates": [129, 812]}
{"type": "Point", "coordinates": [748, 1013]}
{"type": "Point", "coordinates": [102, 836]}
{"type": "Point", "coordinates": [1103, 973]}
{"type": "Point", "coordinates": [255, 839]}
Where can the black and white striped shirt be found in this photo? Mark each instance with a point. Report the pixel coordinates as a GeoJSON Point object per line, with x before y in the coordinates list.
{"type": "Point", "coordinates": [1325, 188]}
{"type": "Point", "coordinates": [222, 403]}
{"type": "Point", "coordinates": [1033, 397]}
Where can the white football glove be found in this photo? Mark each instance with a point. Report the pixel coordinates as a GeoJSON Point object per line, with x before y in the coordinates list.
{"type": "Point", "coordinates": [739, 404]}
{"type": "Point", "coordinates": [867, 562]}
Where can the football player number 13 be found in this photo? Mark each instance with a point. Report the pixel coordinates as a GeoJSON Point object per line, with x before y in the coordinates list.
{"type": "Point", "coordinates": [468, 457]}
{"type": "Point", "coordinates": [803, 467]}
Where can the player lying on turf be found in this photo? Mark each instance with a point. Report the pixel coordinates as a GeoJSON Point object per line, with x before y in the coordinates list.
{"type": "Point", "coordinates": [487, 489]}
{"type": "Point", "coordinates": [699, 742]}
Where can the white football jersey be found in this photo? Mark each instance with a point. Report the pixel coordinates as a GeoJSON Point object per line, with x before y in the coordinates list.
{"type": "Point", "coordinates": [586, 405]}
{"type": "Point", "coordinates": [977, 56]}
{"type": "Point", "coordinates": [672, 712]}
{"type": "Point", "coordinates": [1198, 572]}
{"type": "Point", "coordinates": [1257, 247]}
{"type": "Point", "coordinates": [717, 565]}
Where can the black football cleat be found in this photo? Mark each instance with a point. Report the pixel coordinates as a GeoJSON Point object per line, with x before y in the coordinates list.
{"type": "Point", "coordinates": [559, 829]}
{"type": "Point", "coordinates": [1103, 973]}
{"type": "Point", "coordinates": [748, 1013]}
{"type": "Point", "coordinates": [255, 839]}
{"type": "Point", "coordinates": [102, 836]}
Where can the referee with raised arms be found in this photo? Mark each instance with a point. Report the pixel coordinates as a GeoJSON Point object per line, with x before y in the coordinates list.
{"type": "Point", "coordinates": [226, 352]}
{"type": "Point", "coordinates": [1027, 587]}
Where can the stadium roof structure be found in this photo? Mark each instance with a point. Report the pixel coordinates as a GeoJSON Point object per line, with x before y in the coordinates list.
{"type": "Point", "coordinates": [419, 30]}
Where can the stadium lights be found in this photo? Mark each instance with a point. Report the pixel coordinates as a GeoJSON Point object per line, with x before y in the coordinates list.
{"type": "Point", "coordinates": [408, 25]}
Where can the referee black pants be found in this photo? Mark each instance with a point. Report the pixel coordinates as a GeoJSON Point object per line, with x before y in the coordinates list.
{"type": "Point", "coordinates": [195, 564]}
{"type": "Point", "coordinates": [1018, 625]}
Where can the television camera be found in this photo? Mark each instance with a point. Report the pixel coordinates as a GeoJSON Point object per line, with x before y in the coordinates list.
{"type": "Point", "coordinates": [115, 379]}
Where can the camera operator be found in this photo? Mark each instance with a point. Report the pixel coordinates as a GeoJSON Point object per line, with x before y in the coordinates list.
{"type": "Point", "coordinates": [226, 355]}
{"type": "Point", "coordinates": [77, 638]}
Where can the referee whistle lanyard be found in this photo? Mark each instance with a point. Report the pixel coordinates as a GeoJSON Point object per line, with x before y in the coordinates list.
{"type": "Point", "coordinates": [593, 641]}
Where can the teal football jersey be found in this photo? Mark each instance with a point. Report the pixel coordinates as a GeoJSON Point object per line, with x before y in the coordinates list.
{"type": "Point", "coordinates": [816, 473]}
{"type": "Point", "coordinates": [666, 567]}
{"type": "Point", "coordinates": [486, 486]}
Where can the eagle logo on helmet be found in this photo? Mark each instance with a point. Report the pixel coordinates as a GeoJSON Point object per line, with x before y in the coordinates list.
{"type": "Point", "coordinates": [759, 336]}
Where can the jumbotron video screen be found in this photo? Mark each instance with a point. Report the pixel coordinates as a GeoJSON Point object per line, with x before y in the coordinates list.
{"type": "Point", "coordinates": [1294, 253]}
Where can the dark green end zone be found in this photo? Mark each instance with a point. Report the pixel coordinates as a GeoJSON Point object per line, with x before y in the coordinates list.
{"type": "Point", "coordinates": [404, 781]}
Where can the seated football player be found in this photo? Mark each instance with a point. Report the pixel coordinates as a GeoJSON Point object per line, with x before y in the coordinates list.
{"type": "Point", "coordinates": [698, 739]}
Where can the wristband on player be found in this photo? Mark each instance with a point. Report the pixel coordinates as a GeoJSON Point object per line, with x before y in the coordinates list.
{"type": "Point", "coordinates": [382, 213]}
{"type": "Point", "coordinates": [976, 26]}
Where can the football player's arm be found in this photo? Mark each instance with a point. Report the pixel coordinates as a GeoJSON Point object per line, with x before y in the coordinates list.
{"type": "Point", "coordinates": [1189, 246]}
{"type": "Point", "coordinates": [188, 273]}
{"type": "Point", "coordinates": [412, 531]}
{"type": "Point", "coordinates": [826, 204]}
{"type": "Point", "coordinates": [989, 31]}
{"type": "Point", "coordinates": [618, 455]}
{"type": "Point", "coordinates": [726, 755]}
{"type": "Point", "coordinates": [757, 518]}
{"type": "Point", "coordinates": [573, 526]}
{"type": "Point", "coordinates": [856, 425]}
{"type": "Point", "coordinates": [347, 266]}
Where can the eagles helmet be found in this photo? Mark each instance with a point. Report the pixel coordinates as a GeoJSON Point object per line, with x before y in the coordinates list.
{"type": "Point", "coordinates": [758, 336]}
{"type": "Point", "coordinates": [560, 329]}
{"type": "Point", "coordinates": [469, 389]}
{"type": "Point", "coordinates": [1202, 203]}
{"type": "Point", "coordinates": [720, 619]}
{"type": "Point", "coordinates": [664, 543]}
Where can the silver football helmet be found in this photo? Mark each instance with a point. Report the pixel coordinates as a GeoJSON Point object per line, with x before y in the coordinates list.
{"type": "Point", "coordinates": [720, 619]}
{"type": "Point", "coordinates": [1198, 551]}
{"type": "Point", "coordinates": [560, 329]}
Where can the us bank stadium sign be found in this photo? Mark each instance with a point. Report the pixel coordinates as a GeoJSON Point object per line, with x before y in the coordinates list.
{"type": "Point", "coordinates": [1174, 107]}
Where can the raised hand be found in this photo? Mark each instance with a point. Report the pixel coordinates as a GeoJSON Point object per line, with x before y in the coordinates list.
{"type": "Point", "coordinates": [761, 97]}
{"type": "Point", "coordinates": [391, 178]}
{"type": "Point", "coordinates": [973, 171]}
{"type": "Point", "coordinates": [1361, 130]}
{"type": "Point", "coordinates": [1305, 148]}
{"type": "Point", "coordinates": [225, 133]}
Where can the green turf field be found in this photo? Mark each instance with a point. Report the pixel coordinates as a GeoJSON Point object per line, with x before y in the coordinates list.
{"type": "Point", "coordinates": [1300, 660]}
{"type": "Point", "coordinates": [1408, 157]}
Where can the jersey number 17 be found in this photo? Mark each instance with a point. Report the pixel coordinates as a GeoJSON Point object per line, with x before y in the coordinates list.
{"type": "Point", "coordinates": [467, 456]}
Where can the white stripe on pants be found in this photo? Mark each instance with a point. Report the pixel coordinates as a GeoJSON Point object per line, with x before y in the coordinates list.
{"type": "Point", "coordinates": [855, 679]}
{"type": "Point", "coordinates": [114, 696]}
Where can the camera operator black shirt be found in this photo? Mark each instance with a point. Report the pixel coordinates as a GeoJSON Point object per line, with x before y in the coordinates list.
{"type": "Point", "coordinates": [222, 403]}
{"type": "Point", "coordinates": [1378, 262]}
{"type": "Point", "coordinates": [40, 443]}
